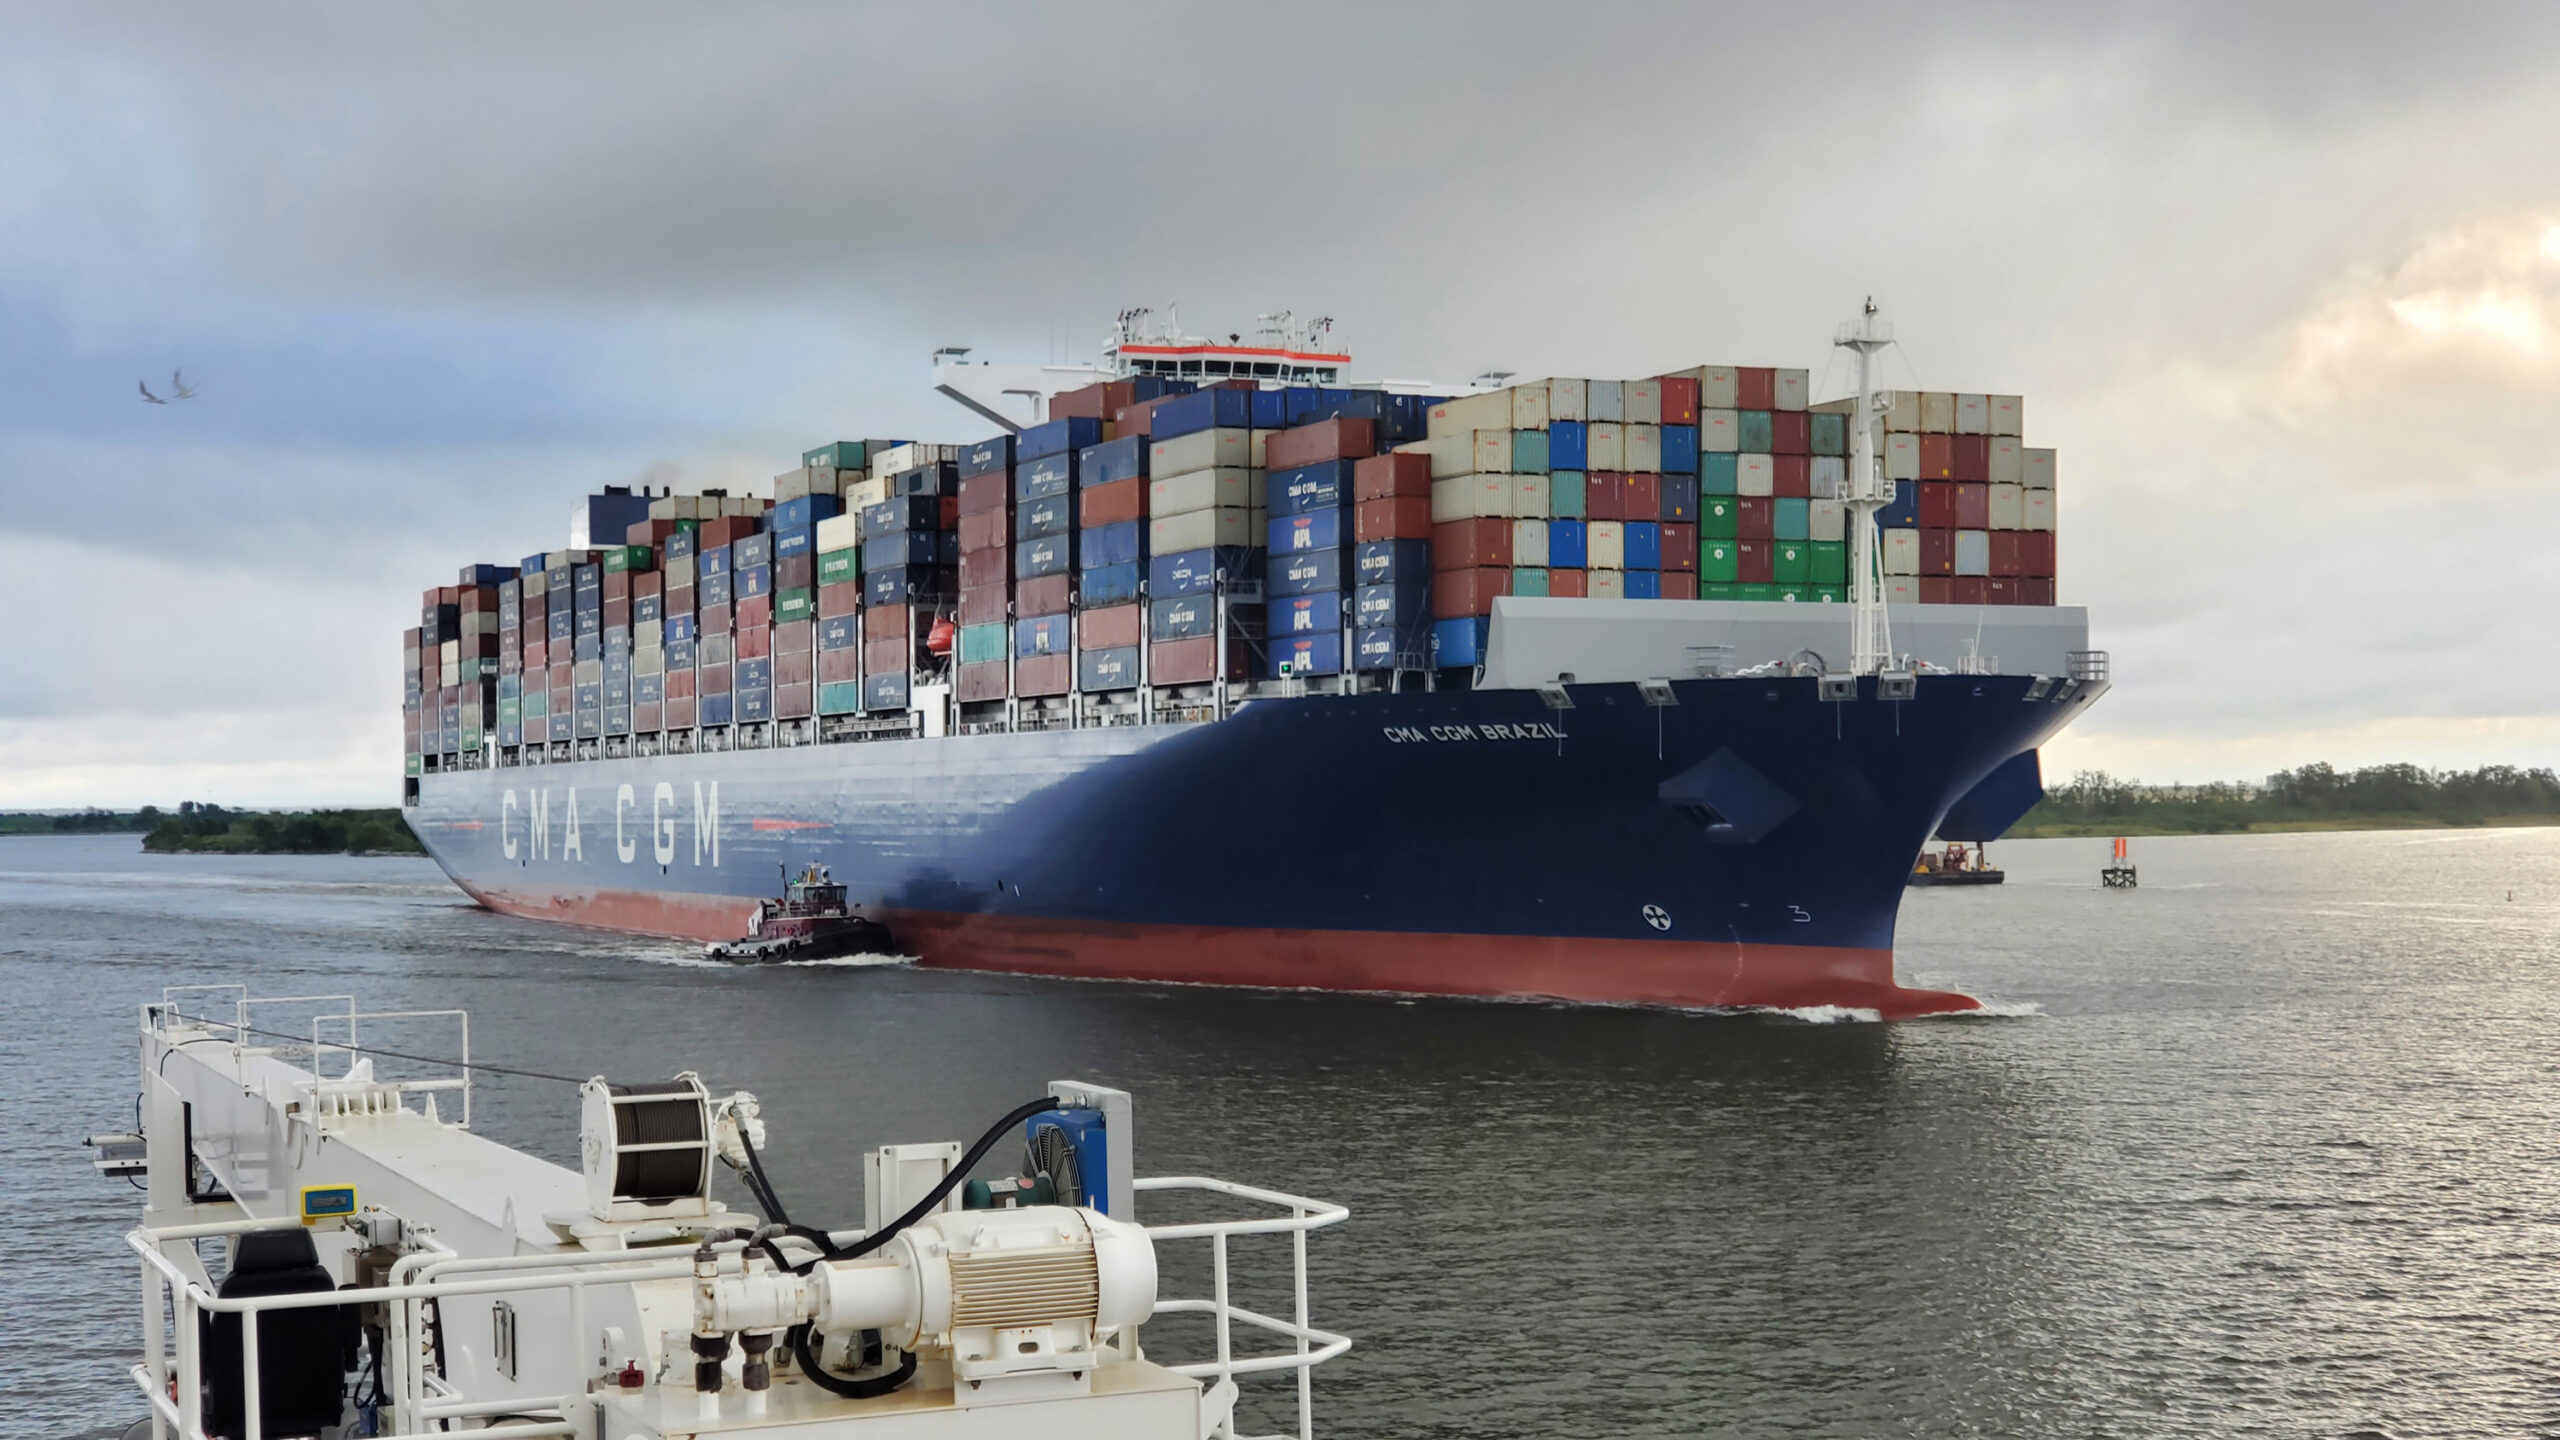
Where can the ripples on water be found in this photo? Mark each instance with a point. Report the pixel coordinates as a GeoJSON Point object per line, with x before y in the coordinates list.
{"type": "Point", "coordinates": [2263, 1146]}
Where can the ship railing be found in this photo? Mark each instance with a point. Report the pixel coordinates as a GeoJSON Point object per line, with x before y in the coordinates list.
{"type": "Point", "coordinates": [184, 1007]}
{"type": "Point", "coordinates": [1306, 1346]}
{"type": "Point", "coordinates": [2088, 666]}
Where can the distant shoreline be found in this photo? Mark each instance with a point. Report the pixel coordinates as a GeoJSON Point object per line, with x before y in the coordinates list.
{"type": "Point", "coordinates": [2102, 830]}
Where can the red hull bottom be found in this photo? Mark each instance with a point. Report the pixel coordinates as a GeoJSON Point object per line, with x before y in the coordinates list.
{"type": "Point", "coordinates": [1613, 972]}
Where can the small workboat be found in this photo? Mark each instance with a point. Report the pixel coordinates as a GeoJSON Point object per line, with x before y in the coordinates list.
{"type": "Point", "coordinates": [1958, 864]}
{"type": "Point", "coordinates": [810, 922]}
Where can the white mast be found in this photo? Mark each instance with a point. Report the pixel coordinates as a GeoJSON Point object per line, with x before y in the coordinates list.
{"type": "Point", "coordinates": [1870, 636]}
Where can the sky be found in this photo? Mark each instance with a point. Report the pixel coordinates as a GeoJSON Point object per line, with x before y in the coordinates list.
{"type": "Point", "coordinates": [2281, 284]}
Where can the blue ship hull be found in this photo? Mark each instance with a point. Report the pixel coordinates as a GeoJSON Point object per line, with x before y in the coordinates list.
{"type": "Point", "coordinates": [1746, 845]}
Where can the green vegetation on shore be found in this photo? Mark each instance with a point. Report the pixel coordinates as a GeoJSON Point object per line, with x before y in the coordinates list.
{"type": "Point", "coordinates": [86, 822]}
{"type": "Point", "coordinates": [2315, 797]}
{"type": "Point", "coordinates": [210, 829]}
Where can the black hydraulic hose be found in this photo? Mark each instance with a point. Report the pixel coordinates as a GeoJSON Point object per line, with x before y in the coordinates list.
{"type": "Point", "coordinates": [939, 1192]}
{"type": "Point", "coordinates": [761, 1183]}
{"type": "Point", "coordinates": [867, 1388]}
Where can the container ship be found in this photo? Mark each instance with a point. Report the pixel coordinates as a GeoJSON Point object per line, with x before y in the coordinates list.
{"type": "Point", "coordinates": [1217, 668]}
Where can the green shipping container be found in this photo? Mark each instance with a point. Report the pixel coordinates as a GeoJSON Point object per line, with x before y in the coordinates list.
{"type": "Point", "coordinates": [1564, 495]}
{"type": "Point", "coordinates": [1718, 473]}
{"type": "Point", "coordinates": [510, 712]}
{"type": "Point", "coordinates": [1830, 434]}
{"type": "Point", "coordinates": [417, 766]}
{"type": "Point", "coordinates": [1754, 434]}
{"type": "Point", "coordinates": [1719, 517]}
{"type": "Point", "coordinates": [475, 671]}
{"type": "Point", "coordinates": [843, 697]}
{"type": "Point", "coordinates": [470, 731]}
{"type": "Point", "coordinates": [840, 567]}
{"type": "Point", "coordinates": [1756, 591]}
{"type": "Point", "coordinates": [535, 704]}
{"type": "Point", "coordinates": [1719, 590]}
{"type": "Point", "coordinates": [1718, 563]}
{"type": "Point", "coordinates": [1832, 594]}
{"type": "Point", "coordinates": [1830, 562]}
{"type": "Point", "coordinates": [1528, 452]}
{"type": "Point", "coordinates": [836, 455]}
{"type": "Point", "coordinates": [790, 606]}
{"type": "Point", "coordinates": [1791, 562]}
{"type": "Point", "coordinates": [1529, 579]}
{"type": "Point", "coordinates": [620, 558]}
{"type": "Point", "coordinates": [1795, 592]}
{"type": "Point", "coordinates": [982, 643]}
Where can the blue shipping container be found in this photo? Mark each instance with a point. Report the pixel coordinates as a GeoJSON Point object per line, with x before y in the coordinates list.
{"type": "Point", "coordinates": [1568, 544]}
{"type": "Point", "coordinates": [712, 709]}
{"type": "Point", "coordinates": [1044, 477]}
{"type": "Point", "coordinates": [714, 561]}
{"type": "Point", "coordinates": [485, 575]}
{"type": "Point", "coordinates": [1644, 585]}
{"type": "Point", "coordinates": [1098, 585]}
{"type": "Point", "coordinates": [1405, 604]}
{"type": "Point", "coordinates": [1568, 445]}
{"type": "Point", "coordinates": [840, 632]}
{"type": "Point", "coordinates": [885, 692]}
{"type": "Point", "coordinates": [926, 480]}
{"type": "Point", "coordinates": [910, 583]}
{"type": "Point", "coordinates": [587, 647]}
{"type": "Point", "coordinates": [1121, 544]}
{"type": "Point", "coordinates": [1049, 515]}
{"type": "Point", "coordinates": [1680, 499]}
{"type": "Point", "coordinates": [752, 581]}
{"type": "Point", "coordinates": [1213, 409]}
{"type": "Point", "coordinates": [897, 515]}
{"type": "Point", "coordinates": [1057, 437]}
{"type": "Point", "coordinates": [1112, 669]}
{"type": "Point", "coordinates": [649, 689]}
{"type": "Point", "coordinates": [1383, 562]}
{"type": "Point", "coordinates": [1121, 459]}
{"type": "Point", "coordinates": [756, 674]}
{"type": "Point", "coordinates": [1458, 642]}
{"type": "Point", "coordinates": [1680, 449]}
{"type": "Point", "coordinates": [1643, 544]}
{"type": "Point", "coordinates": [803, 512]}
{"type": "Point", "coordinates": [679, 627]}
{"type": "Point", "coordinates": [645, 609]}
{"type": "Point", "coordinates": [1183, 617]}
{"type": "Point", "coordinates": [1047, 555]}
{"type": "Point", "coordinates": [1904, 512]}
{"type": "Point", "coordinates": [1043, 635]}
{"type": "Point", "coordinates": [1318, 654]}
{"type": "Point", "coordinates": [798, 540]}
{"type": "Point", "coordinates": [562, 623]}
{"type": "Point", "coordinates": [1270, 409]}
{"type": "Point", "coordinates": [1195, 572]}
{"type": "Point", "coordinates": [681, 544]}
{"type": "Point", "coordinates": [1306, 571]}
{"type": "Point", "coordinates": [909, 547]}
{"type": "Point", "coordinates": [1323, 486]}
{"type": "Point", "coordinates": [1319, 530]}
{"type": "Point", "coordinates": [1378, 647]}
{"type": "Point", "coordinates": [1306, 614]}
{"type": "Point", "coordinates": [680, 654]}
{"type": "Point", "coordinates": [750, 550]}
{"type": "Point", "coordinates": [987, 456]}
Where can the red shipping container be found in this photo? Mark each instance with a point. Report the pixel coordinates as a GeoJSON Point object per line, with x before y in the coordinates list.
{"type": "Point", "coordinates": [1110, 627]}
{"type": "Point", "coordinates": [980, 569]}
{"type": "Point", "coordinates": [1398, 517]}
{"type": "Point", "coordinates": [1937, 590]}
{"type": "Point", "coordinates": [2007, 557]}
{"type": "Point", "coordinates": [1937, 505]}
{"type": "Point", "coordinates": [796, 637]}
{"type": "Point", "coordinates": [617, 616]}
{"type": "Point", "coordinates": [1969, 590]}
{"type": "Point", "coordinates": [755, 642]}
{"type": "Point", "coordinates": [982, 681]}
{"type": "Point", "coordinates": [2035, 553]}
{"type": "Point", "coordinates": [1937, 457]}
{"type": "Point", "coordinates": [1755, 388]}
{"type": "Point", "coordinates": [755, 610]}
{"type": "Point", "coordinates": [1640, 493]}
{"type": "Point", "coordinates": [1678, 586]}
{"type": "Point", "coordinates": [1791, 476]}
{"type": "Point", "coordinates": [679, 713]}
{"type": "Point", "coordinates": [1081, 404]}
{"type": "Point", "coordinates": [792, 667]}
{"type": "Point", "coordinates": [1755, 517]}
{"type": "Point", "coordinates": [792, 701]}
{"type": "Point", "coordinates": [652, 533]}
{"type": "Point", "coordinates": [887, 657]}
{"type": "Point", "coordinates": [1679, 400]}
{"type": "Point", "coordinates": [985, 604]}
{"type": "Point", "coordinates": [1970, 457]}
{"type": "Point", "coordinates": [563, 674]}
{"type": "Point", "coordinates": [1381, 476]}
{"type": "Point", "coordinates": [835, 667]}
{"type": "Point", "coordinates": [1604, 496]}
{"type": "Point", "coordinates": [617, 586]}
{"type": "Point", "coordinates": [835, 600]}
{"type": "Point", "coordinates": [1679, 549]}
{"type": "Point", "coordinates": [1999, 590]}
{"type": "Point", "coordinates": [1973, 507]}
{"type": "Point", "coordinates": [1117, 503]}
{"type": "Point", "coordinates": [984, 529]}
{"type": "Point", "coordinates": [986, 494]}
{"type": "Point", "coordinates": [1137, 419]}
{"type": "Point", "coordinates": [2035, 590]}
{"type": "Point", "coordinates": [1191, 662]}
{"type": "Point", "coordinates": [1466, 544]}
{"type": "Point", "coordinates": [1937, 552]}
{"type": "Point", "coordinates": [710, 680]}
{"type": "Point", "coordinates": [1752, 560]}
{"type": "Point", "coordinates": [679, 601]}
{"type": "Point", "coordinates": [648, 582]}
{"type": "Point", "coordinates": [1317, 443]}
{"type": "Point", "coordinates": [727, 529]}
{"type": "Point", "coordinates": [537, 655]}
{"type": "Point", "coordinates": [1568, 584]}
{"type": "Point", "coordinates": [1458, 594]}
{"type": "Point", "coordinates": [1046, 595]}
{"type": "Point", "coordinates": [1790, 433]}
{"type": "Point", "coordinates": [886, 622]}
{"type": "Point", "coordinates": [562, 700]}
{"type": "Point", "coordinates": [478, 599]}
{"type": "Point", "coordinates": [1037, 675]}
{"type": "Point", "coordinates": [793, 572]}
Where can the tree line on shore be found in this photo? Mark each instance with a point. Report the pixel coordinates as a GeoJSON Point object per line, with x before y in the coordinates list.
{"type": "Point", "coordinates": [2312, 797]}
{"type": "Point", "coordinates": [200, 828]}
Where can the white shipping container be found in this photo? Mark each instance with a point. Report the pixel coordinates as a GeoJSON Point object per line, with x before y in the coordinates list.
{"type": "Point", "coordinates": [1492, 452]}
{"type": "Point", "coordinates": [1565, 400]}
{"type": "Point", "coordinates": [839, 532]}
{"type": "Point", "coordinates": [1530, 406]}
{"type": "Point", "coordinates": [1606, 445]}
{"type": "Point", "coordinates": [2008, 415]}
{"type": "Point", "coordinates": [1469, 497]}
{"type": "Point", "coordinates": [679, 568]}
{"type": "Point", "coordinates": [2035, 465]}
{"type": "Point", "coordinates": [2008, 507]}
{"type": "Point", "coordinates": [1489, 411]}
{"type": "Point", "coordinates": [1795, 389]}
{"type": "Point", "coordinates": [1230, 487]}
{"type": "Point", "coordinates": [1605, 400]}
{"type": "Point", "coordinates": [1719, 432]}
{"type": "Point", "coordinates": [1826, 520]}
{"type": "Point", "coordinates": [1901, 456]}
{"type": "Point", "coordinates": [1643, 444]}
{"type": "Point", "coordinates": [648, 653]}
{"type": "Point", "coordinates": [1200, 529]}
{"type": "Point", "coordinates": [1643, 401]}
{"type": "Point", "coordinates": [1530, 500]}
{"type": "Point", "coordinates": [2036, 508]}
{"type": "Point", "coordinates": [1755, 475]}
{"type": "Point", "coordinates": [1606, 584]}
{"type": "Point", "coordinates": [789, 485]}
{"type": "Point", "coordinates": [1973, 552]}
{"type": "Point", "coordinates": [1937, 413]}
{"type": "Point", "coordinates": [1902, 589]}
{"type": "Point", "coordinates": [1717, 388]}
{"type": "Point", "coordinates": [2005, 466]}
{"type": "Point", "coordinates": [1973, 415]}
{"type": "Point", "coordinates": [663, 508]}
{"type": "Point", "coordinates": [1452, 454]}
{"type": "Point", "coordinates": [1607, 540]}
{"type": "Point", "coordinates": [1901, 552]}
{"type": "Point", "coordinates": [479, 622]}
{"type": "Point", "coordinates": [1828, 478]}
{"type": "Point", "coordinates": [1227, 448]}
{"type": "Point", "coordinates": [862, 494]}
{"type": "Point", "coordinates": [1902, 414]}
{"type": "Point", "coordinates": [1529, 542]}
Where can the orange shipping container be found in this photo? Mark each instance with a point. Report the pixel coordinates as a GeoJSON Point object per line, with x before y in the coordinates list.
{"type": "Point", "coordinates": [1109, 628]}
{"type": "Point", "coordinates": [1397, 517]}
{"type": "Point", "coordinates": [1459, 594]}
{"type": "Point", "coordinates": [1317, 443]}
{"type": "Point", "coordinates": [1114, 504]}
{"type": "Point", "coordinates": [1394, 474]}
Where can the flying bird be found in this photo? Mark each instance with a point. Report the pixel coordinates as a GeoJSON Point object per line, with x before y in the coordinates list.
{"type": "Point", "coordinates": [178, 382]}
{"type": "Point", "coordinates": [145, 387]}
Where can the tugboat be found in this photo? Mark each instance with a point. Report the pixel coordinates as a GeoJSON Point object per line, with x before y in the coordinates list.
{"type": "Point", "coordinates": [1958, 864]}
{"type": "Point", "coordinates": [809, 922]}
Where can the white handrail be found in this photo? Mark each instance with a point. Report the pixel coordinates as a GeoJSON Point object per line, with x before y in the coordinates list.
{"type": "Point", "coordinates": [1312, 1347]}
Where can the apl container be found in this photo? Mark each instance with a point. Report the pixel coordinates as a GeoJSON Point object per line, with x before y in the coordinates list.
{"type": "Point", "coordinates": [1317, 654]}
